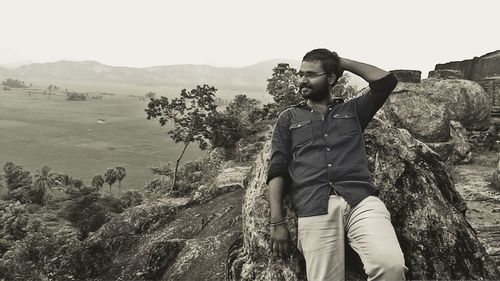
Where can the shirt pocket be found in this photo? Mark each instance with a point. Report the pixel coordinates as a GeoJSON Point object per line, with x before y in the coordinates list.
{"type": "Point", "coordinates": [347, 124]}
{"type": "Point", "coordinates": [301, 132]}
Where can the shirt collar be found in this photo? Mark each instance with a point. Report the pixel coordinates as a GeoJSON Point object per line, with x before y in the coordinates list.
{"type": "Point", "coordinates": [332, 102]}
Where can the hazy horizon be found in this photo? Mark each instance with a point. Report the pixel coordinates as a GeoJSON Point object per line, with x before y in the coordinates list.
{"type": "Point", "coordinates": [390, 34]}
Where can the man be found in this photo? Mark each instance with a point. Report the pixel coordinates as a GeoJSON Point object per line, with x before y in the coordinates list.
{"type": "Point", "coordinates": [318, 157]}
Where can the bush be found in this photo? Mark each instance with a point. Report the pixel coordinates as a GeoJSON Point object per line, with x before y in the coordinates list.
{"type": "Point", "coordinates": [73, 96]}
{"type": "Point", "coordinates": [84, 211]}
{"type": "Point", "coordinates": [130, 199]}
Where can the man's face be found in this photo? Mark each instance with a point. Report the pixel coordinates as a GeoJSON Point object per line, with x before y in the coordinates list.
{"type": "Point", "coordinates": [313, 81]}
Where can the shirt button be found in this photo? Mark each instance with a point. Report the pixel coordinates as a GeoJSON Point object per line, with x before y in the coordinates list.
{"type": "Point", "coordinates": [328, 149]}
{"type": "Point", "coordinates": [325, 135]}
{"type": "Point", "coordinates": [329, 165]}
{"type": "Point", "coordinates": [329, 108]}
{"type": "Point", "coordinates": [330, 183]}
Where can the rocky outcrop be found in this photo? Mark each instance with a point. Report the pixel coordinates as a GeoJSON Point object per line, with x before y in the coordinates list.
{"type": "Point", "coordinates": [477, 68]}
{"type": "Point", "coordinates": [445, 74]}
{"type": "Point", "coordinates": [441, 113]}
{"type": "Point", "coordinates": [484, 70]}
{"type": "Point", "coordinates": [426, 109]}
{"type": "Point", "coordinates": [161, 241]}
{"type": "Point", "coordinates": [407, 76]}
{"type": "Point", "coordinates": [427, 213]}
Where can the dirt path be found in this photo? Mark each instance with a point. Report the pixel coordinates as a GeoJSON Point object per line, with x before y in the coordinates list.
{"type": "Point", "coordinates": [472, 182]}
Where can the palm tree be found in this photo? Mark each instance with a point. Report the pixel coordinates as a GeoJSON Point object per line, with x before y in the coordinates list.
{"type": "Point", "coordinates": [63, 180]}
{"type": "Point", "coordinates": [43, 181]}
{"type": "Point", "coordinates": [110, 177]}
{"type": "Point", "coordinates": [98, 181]}
{"type": "Point", "coordinates": [120, 174]}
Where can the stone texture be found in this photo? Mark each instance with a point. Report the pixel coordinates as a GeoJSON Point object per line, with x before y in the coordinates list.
{"type": "Point", "coordinates": [427, 212]}
{"type": "Point", "coordinates": [408, 76]}
{"type": "Point", "coordinates": [477, 68]}
{"type": "Point", "coordinates": [445, 74]}
{"type": "Point", "coordinates": [462, 151]}
{"type": "Point", "coordinates": [162, 242]}
{"type": "Point", "coordinates": [484, 70]}
{"type": "Point", "coordinates": [426, 109]}
{"type": "Point", "coordinates": [495, 178]}
{"type": "Point", "coordinates": [229, 178]}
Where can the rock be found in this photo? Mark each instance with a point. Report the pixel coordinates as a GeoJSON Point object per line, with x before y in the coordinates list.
{"type": "Point", "coordinates": [477, 68]}
{"type": "Point", "coordinates": [484, 70]}
{"type": "Point", "coordinates": [158, 242]}
{"type": "Point", "coordinates": [462, 150]}
{"type": "Point", "coordinates": [426, 109]}
{"type": "Point", "coordinates": [408, 76]}
{"type": "Point", "coordinates": [495, 178]}
{"type": "Point", "coordinates": [445, 74]}
{"type": "Point", "coordinates": [445, 150]}
{"type": "Point", "coordinates": [426, 211]}
{"type": "Point", "coordinates": [410, 107]}
{"type": "Point", "coordinates": [482, 140]}
{"type": "Point", "coordinates": [229, 178]}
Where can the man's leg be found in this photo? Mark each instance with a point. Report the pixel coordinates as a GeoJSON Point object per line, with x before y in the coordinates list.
{"type": "Point", "coordinates": [321, 241]}
{"type": "Point", "coordinates": [372, 236]}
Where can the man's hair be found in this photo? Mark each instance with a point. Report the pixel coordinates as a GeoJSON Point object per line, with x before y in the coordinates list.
{"type": "Point", "coordinates": [329, 60]}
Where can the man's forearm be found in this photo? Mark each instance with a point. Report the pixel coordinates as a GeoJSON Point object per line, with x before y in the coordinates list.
{"type": "Point", "coordinates": [276, 188]}
{"type": "Point", "coordinates": [368, 72]}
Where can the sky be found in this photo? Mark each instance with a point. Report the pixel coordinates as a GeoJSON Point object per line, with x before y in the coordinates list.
{"type": "Point", "coordinates": [391, 34]}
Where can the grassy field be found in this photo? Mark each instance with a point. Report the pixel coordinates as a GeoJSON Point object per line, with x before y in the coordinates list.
{"type": "Point", "coordinates": [37, 130]}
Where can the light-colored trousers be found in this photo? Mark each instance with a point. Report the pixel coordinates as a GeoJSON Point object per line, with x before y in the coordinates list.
{"type": "Point", "coordinates": [369, 232]}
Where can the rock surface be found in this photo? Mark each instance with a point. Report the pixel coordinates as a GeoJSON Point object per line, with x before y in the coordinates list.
{"type": "Point", "coordinates": [408, 76]}
{"type": "Point", "coordinates": [427, 212]}
{"type": "Point", "coordinates": [426, 109]}
{"type": "Point", "coordinates": [483, 201]}
{"type": "Point", "coordinates": [477, 68]}
{"type": "Point", "coordinates": [164, 242]}
{"type": "Point", "coordinates": [445, 74]}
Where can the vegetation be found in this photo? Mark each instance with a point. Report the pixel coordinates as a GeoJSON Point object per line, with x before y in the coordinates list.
{"type": "Point", "coordinates": [13, 83]}
{"type": "Point", "coordinates": [73, 96]}
{"type": "Point", "coordinates": [190, 115]}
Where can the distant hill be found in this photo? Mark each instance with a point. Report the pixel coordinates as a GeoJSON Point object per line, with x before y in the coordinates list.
{"type": "Point", "coordinates": [253, 77]}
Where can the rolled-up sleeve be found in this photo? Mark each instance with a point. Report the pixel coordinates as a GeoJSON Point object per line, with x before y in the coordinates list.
{"type": "Point", "coordinates": [280, 148]}
{"type": "Point", "coordinates": [369, 103]}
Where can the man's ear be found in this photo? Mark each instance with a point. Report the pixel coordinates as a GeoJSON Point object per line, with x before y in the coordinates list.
{"type": "Point", "coordinates": [331, 79]}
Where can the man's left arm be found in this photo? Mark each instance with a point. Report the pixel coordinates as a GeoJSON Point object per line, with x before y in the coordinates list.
{"type": "Point", "coordinates": [381, 84]}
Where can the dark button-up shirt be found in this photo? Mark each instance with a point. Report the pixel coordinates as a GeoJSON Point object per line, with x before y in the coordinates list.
{"type": "Point", "coordinates": [319, 152]}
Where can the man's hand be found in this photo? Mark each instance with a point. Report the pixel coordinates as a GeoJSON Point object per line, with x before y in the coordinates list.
{"type": "Point", "coordinates": [280, 241]}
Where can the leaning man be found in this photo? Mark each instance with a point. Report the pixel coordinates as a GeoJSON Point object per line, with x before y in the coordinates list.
{"type": "Point", "coordinates": [319, 158]}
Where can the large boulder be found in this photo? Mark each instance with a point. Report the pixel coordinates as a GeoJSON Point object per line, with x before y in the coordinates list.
{"type": "Point", "coordinates": [426, 109]}
{"type": "Point", "coordinates": [408, 76]}
{"type": "Point", "coordinates": [161, 241]}
{"type": "Point", "coordinates": [426, 210]}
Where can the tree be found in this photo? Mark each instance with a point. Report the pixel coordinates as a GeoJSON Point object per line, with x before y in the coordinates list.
{"type": "Point", "coordinates": [110, 177]}
{"type": "Point", "coordinates": [44, 180]}
{"type": "Point", "coordinates": [225, 130]}
{"type": "Point", "coordinates": [63, 180]}
{"type": "Point", "coordinates": [189, 114]}
{"type": "Point", "coordinates": [150, 95]}
{"type": "Point", "coordinates": [84, 210]}
{"type": "Point", "coordinates": [15, 177]}
{"type": "Point", "coordinates": [283, 86]}
{"type": "Point", "coordinates": [98, 181]}
{"type": "Point", "coordinates": [120, 175]}
{"type": "Point", "coordinates": [241, 107]}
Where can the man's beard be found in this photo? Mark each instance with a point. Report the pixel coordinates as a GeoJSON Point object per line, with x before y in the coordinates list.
{"type": "Point", "coordinates": [314, 94]}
